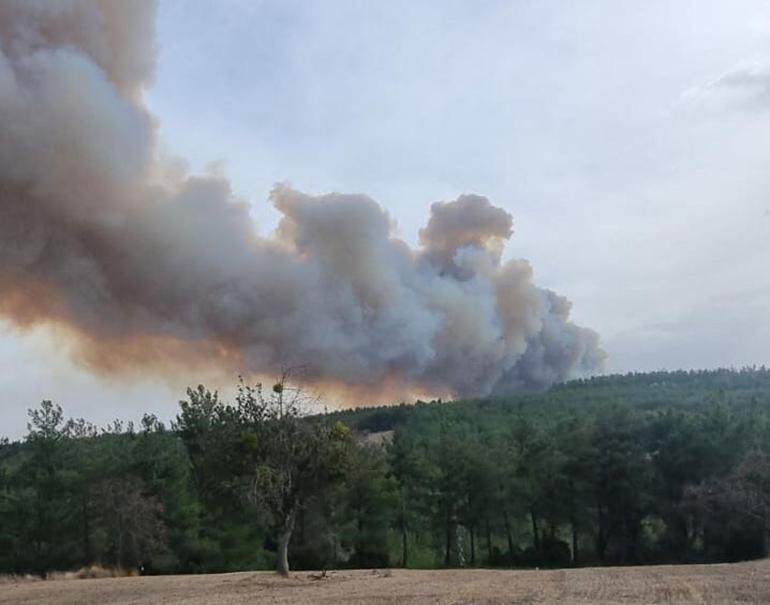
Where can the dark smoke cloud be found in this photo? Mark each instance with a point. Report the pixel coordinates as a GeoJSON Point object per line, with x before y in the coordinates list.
{"type": "Point", "coordinates": [148, 268]}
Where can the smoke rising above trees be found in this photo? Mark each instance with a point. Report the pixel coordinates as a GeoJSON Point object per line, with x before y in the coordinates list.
{"type": "Point", "coordinates": [147, 267]}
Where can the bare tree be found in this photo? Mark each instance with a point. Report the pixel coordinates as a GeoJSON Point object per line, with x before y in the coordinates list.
{"type": "Point", "coordinates": [134, 519]}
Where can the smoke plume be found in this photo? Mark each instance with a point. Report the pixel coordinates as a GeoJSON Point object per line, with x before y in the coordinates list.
{"type": "Point", "coordinates": [146, 267]}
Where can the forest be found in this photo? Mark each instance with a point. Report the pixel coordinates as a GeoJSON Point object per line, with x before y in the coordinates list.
{"type": "Point", "coordinates": [637, 469]}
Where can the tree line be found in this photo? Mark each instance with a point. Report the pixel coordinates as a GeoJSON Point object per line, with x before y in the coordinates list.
{"type": "Point", "coordinates": [644, 468]}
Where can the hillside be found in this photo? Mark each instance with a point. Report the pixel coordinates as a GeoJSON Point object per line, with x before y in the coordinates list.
{"type": "Point", "coordinates": [681, 390]}
{"type": "Point", "coordinates": [645, 468]}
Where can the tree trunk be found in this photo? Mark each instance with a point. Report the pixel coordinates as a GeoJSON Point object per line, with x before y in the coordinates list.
{"type": "Point", "coordinates": [692, 535]}
{"type": "Point", "coordinates": [404, 549]}
{"type": "Point", "coordinates": [282, 555]}
{"type": "Point", "coordinates": [87, 556]}
{"type": "Point", "coordinates": [448, 552]}
{"type": "Point", "coordinates": [301, 525]}
{"type": "Point", "coordinates": [535, 532]}
{"type": "Point", "coordinates": [120, 542]}
{"type": "Point", "coordinates": [601, 537]}
{"type": "Point", "coordinates": [634, 530]}
{"type": "Point", "coordinates": [509, 535]}
{"type": "Point", "coordinates": [473, 545]}
{"type": "Point", "coordinates": [573, 523]}
{"type": "Point", "coordinates": [489, 540]}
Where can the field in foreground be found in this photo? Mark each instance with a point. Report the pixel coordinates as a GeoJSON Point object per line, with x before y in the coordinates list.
{"type": "Point", "coordinates": [726, 583]}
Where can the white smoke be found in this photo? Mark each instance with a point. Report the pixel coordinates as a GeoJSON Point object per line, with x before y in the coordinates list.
{"type": "Point", "coordinates": [149, 268]}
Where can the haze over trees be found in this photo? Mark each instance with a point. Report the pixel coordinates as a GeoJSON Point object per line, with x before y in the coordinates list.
{"type": "Point", "coordinates": [644, 468]}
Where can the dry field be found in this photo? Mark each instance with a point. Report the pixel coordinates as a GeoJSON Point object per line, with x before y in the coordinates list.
{"type": "Point", "coordinates": [736, 583]}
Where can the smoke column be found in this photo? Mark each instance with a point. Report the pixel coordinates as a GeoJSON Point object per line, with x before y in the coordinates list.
{"type": "Point", "coordinates": [148, 268]}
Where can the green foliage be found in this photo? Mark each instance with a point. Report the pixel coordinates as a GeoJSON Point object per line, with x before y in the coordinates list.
{"type": "Point", "coordinates": [662, 467]}
{"type": "Point", "coordinates": [261, 454]}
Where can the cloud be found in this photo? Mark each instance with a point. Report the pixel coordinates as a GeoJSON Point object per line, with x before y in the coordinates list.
{"type": "Point", "coordinates": [745, 86]}
{"type": "Point", "coordinates": [148, 268]}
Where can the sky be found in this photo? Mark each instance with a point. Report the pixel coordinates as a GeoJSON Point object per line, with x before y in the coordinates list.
{"type": "Point", "coordinates": [630, 142]}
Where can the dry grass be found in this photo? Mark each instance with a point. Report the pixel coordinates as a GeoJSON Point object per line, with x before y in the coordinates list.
{"type": "Point", "coordinates": [84, 573]}
{"type": "Point", "coordinates": [676, 584]}
{"type": "Point", "coordinates": [13, 579]}
{"type": "Point", "coordinates": [93, 572]}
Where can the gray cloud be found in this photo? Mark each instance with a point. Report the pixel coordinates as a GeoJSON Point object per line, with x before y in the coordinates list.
{"type": "Point", "coordinates": [747, 86]}
{"type": "Point", "coordinates": [146, 267]}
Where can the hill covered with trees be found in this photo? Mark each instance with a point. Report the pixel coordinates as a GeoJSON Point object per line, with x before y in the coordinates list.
{"type": "Point", "coordinates": [643, 468]}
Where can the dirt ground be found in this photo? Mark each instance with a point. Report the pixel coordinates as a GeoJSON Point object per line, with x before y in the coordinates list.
{"type": "Point", "coordinates": [733, 583]}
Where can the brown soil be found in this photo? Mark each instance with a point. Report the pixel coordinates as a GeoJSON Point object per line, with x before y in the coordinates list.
{"type": "Point", "coordinates": [679, 584]}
